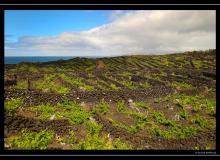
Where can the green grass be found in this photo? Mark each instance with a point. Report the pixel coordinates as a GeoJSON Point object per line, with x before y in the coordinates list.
{"type": "Point", "coordinates": [49, 84]}
{"type": "Point", "coordinates": [184, 114]}
{"type": "Point", "coordinates": [121, 106]}
{"type": "Point", "coordinates": [103, 106]}
{"type": "Point", "coordinates": [173, 132]}
{"type": "Point", "coordinates": [145, 85]}
{"type": "Point", "coordinates": [131, 129]}
{"type": "Point", "coordinates": [197, 63]}
{"type": "Point", "coordinates": [33, 69]}
{"type": "Point", "coordinates": [75, 113]}
{"type": "Point", "coordinates": [76, 82]}
{"type": "Point", "coordinates": [129, 84]}
{"type": "Point", "coordinates": [160, 118]}
{"type": "Point", "coordinates": [45, 111]}
{"type": "Point", "coordinates": [181, 85]}
{"type": "Point", "coordinates": [203, 122]}
{"type": "Point", "coordinates": [21, 84]}
{"type": "Point", "coordinates": [142, 104]}
{"type": "Point", "coordinates": [93, 128]}
{"type": "Point", "coordinates": [114, 87]}
{"type": "Point", "coordinates": [12, 104]}
{"type": "Point", "coordinates": [31, 140]}
{"type": "Point", "coordinates": [68, 109]}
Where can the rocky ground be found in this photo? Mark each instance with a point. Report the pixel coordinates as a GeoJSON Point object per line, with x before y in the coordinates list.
{"type": "Point", "coordinates": [128, 102]}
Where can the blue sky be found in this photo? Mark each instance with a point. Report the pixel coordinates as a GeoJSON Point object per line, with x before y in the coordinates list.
{"type": "Point", "coordinates": [50, 22]}
{"type": "Point", "coordinates": [107, 32]}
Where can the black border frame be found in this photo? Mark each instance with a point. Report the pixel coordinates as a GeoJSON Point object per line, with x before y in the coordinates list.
{"type": "Point", "coordinates": [104, 152]}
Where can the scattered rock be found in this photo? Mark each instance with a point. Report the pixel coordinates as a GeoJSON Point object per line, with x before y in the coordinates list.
{"type": "Point", "coordinates": [92, 119]}
{"type": "Point", "coordinates": [52, 117]}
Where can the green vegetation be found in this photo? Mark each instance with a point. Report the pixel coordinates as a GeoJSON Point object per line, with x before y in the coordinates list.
{"type": "Point", "coordinates": [142, 105]}
{"type": "Point", "coordinates": [12, 104]}
{"type": "Point", "coordinates": [49, 84]}
{"type": "Point", "coordinates": [121, 106]}
{"type": "Point", "coordinates": [93, 141]}
{"type": "Point", "coordinates": [76, 82]}
{"type": "Point", "coordinates": [197, 63]}
{"type": "Point", "coordinates": [184, 114]}
{"type": "Point", "coordinates": [70, 110]}
{"type": "Point", "coordinates": [131, 129]}
{"type": "Point", "coordinates": [77, 115]}
{"type": "Point", "coordinates": [22, 84]}
{"type": "Point", "coordinates": [160, 118]}
{"type": "Point", "coordinates": [45, 111]}
{"type": "Point", "coordinates": [181, 85]}
{"type": "Point", "coordinates": [93, 128]}
{"type": "Point", "coordinates": [31, 140]}
{"type": "Point", "coordinates": [103, 106]}
{"type": "Point", "coordinates": [173, 132]}
{"type": "Point", "coordinates": [114, 87]}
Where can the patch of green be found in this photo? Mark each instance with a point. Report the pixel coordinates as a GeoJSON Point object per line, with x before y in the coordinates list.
{"type": "Point", "coordinates": [185, 100]}
{"type": "Point", "coordinates": [139, 117]}
{"type": "Point", "coordinates": [181, 85]}
{"type": "Point", "coordinates": [47, 69]}
{"type": "Point", "coordinates": [126, 74]}
{"type": "Point", "coordinates": [129, 84]}
{"type": "Point", "coordinates": [121, 106]}
{"type": "Point", "coordinates": [31, 140]}
{"type": "Point", "coordinates": [68, 109]}
{"type": "Point", "coordinates": [198, 103]}
{"type": "Point", "coordinates": [93, 128]}
{"type": "Point", "coordinates": [45, 111]}
{"type": "Point", "coordinates": [202, 122]}
{"type": "Point", "coordinates": [160, 118]}
{"type": "Point", "coordinates": [33, 69]}
{"type": "Point", "coordinates": [12, 104]}
{"type": "Point", "coordinates": [21, 84]}
{"type": "Point", "coordinates": [49, 84]}
{"type": "Point", "coordinates": [163, 74]}
{"type": "Point", "coordinates": [103, 106]}
{"type": "Point", "coordinates": [76, 82]}
{"type": "Point", "coordinates": [145, 85]}
{"type": "Point", "coordinates": [75, 113]}
{"type": "Point", "coordinates": [114, 87]}
{"type": "Point", "coordinates": [173, 132]}
{"type": "Point", "coordinates": [197, 63]}
{"type": "Point", "coordinates": [142, 104]}
{"type": "Point", "coordinates": [184, 114]}
{"type": "Point", "coordinates": [131, 129]}
{"type": "Point", "coordinates": [210, 106]}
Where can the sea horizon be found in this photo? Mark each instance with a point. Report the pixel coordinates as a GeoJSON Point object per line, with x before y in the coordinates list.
{"type": "Point", "coordinates": [19, 59]}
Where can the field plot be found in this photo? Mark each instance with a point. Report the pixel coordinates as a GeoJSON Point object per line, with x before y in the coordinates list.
{"type": "Point", "coordinates": [128, 102]}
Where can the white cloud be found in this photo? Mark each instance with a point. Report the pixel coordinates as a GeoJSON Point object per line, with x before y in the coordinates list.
{"type": "Point", "coordinates": [129, 32]}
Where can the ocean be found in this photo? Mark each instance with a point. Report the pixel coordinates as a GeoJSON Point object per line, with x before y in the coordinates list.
{"type": "Point", "coordinates": [15, 60]}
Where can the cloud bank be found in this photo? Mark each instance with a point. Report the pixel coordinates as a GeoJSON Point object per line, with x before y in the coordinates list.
{"type": "Point", "coordinates": [130, 32]}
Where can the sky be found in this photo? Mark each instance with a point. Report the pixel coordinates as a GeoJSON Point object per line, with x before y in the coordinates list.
{"type": "Point", "coordinates": [107, 32]}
